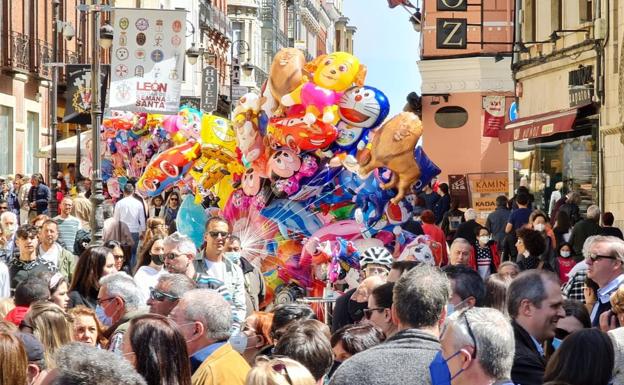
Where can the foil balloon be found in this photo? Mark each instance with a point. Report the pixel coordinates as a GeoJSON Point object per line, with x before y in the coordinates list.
{"type": "Point", "coordinates": [333, 74]}
{"type": "Point", "coordinates": [168, 167]}
{"type": "Point", "coordinates": [364, 107]}
{"type": "Point", "coordinates": [289, 170]}
{"type": "Point", "coordinates": [428, 169]}
{"type": "Point", "coordinates": [191, 220]}
{"type": "Point", "coordinates": [285, 75]}
{"type": "Point", "coordinates": [217, 131]}
{"type": "Point", "coordinates": [393, 148]}
{"type": "Point", "coordinates": [247, 129]}
{"type": "Point", "coordinates": [294, 132]}
{"type": "Point", "coordinates": [291, 218]}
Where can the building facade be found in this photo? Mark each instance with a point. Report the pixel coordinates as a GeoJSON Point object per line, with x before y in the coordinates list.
{"type": "Point", "coordinates": [26, 42]}
{"type": "Point", "coordinates": [466, 83]}
{"type": "Point", "coordinates": [568, 126]}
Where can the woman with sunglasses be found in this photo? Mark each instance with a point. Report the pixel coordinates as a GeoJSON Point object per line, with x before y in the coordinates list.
{"type": "Point", "coordinates": [150, 265]}
{"type": "Point", "coordinates": [171, 211]}
{"type": "Point", "coordinates": [94, 263]}
{"type": "Point", "coordinates": [378, 311]}
{"type": "Point", "coordinates": [157, 350]}
{"type": "Point", "coordinates": [279, 371]}
{"type": "Point", "coordinates": [119, 255]}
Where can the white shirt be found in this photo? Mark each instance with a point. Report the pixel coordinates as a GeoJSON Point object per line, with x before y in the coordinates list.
{"type": "Point", "coordinates": [146, 277]}
{"type": "Point", "coordinates": [215, 270]}
{"type": "Point", "coordinates": [131, 212]}
{"type": "Point", "coordinates": [604, 294]}
{"type": "Point", "coordinates": [5, 281]}
{"type": "Point", "coordinates": [52, 254]}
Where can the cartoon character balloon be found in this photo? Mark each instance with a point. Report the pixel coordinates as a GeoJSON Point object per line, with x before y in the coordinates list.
{"type": "Point", "coordinates": [285, 75]}
{"type": "Point", "coordinates": [333, 74]}
{"type": "Point", "coordinates": [393, 148]}
{"type": "Point", "coordinates": [294, 132]}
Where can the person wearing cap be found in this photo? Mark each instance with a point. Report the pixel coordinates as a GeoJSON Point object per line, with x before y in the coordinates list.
{"type": "Point", "coordinates": [35, 353]}
{"type": "Point", "coordinates": [374, 261]}
{"type": "Point", "coordinates": [605, 266]}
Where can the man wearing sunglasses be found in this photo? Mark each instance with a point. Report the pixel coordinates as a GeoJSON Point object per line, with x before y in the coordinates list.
{"type": "Point", "coordinates": [477, 349]}
{"type": "Point", "coordinates": [168, 291]}
{"type": "Point", "coordinates": [605, 266]}
{"type": "Point", "coordinates": [219, 273]}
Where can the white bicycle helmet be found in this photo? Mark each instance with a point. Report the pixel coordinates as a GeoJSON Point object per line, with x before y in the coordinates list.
{"type": "Point", "coordinates": [377, 255]}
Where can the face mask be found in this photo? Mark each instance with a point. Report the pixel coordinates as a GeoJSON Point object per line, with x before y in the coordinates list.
{"type": "Point", "coordinates": [233, 256]}
{"type": "Point", "coordinates": [565, 254]}
{"type": "Point", "coordinates": [239, 342]}
{"type": "Point", "coordinates": [539, 227]}
{"type": "Point", "coordinates": [158, 259]}
{"type": "Point", "coordinates": [439, 370]}
{"type": "Point", "coordinates": [101, 314]}
{"type": "Point", "coordinates": [484, 239]}
{"type": "Point", "coordinates": [556, 342]}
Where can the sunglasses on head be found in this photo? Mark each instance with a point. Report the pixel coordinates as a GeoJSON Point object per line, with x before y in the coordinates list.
{"type": "Point", "coordinates": [160, 296]}
{"type": "Point", "coordinates": [216, 234]}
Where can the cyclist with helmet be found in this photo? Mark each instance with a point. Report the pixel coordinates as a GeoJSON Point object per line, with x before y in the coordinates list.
{"type": "Point", "coordinates": [349, 307]}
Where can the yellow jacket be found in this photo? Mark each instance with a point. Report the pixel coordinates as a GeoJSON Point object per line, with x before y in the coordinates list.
{"type": "Point", "coordinates": [224, 366]}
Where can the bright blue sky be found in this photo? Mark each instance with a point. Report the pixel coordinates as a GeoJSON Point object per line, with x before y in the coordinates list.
{"type": "Point", "coordinates": [388, 45]}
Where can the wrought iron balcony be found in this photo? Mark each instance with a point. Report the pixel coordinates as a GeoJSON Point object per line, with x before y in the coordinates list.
{"type": "Point", "coordinates": [213, 18]}
{"type": "Point", "coordinates": [18, 52]}
{"type": "Point", "coordinates": [43, 55]}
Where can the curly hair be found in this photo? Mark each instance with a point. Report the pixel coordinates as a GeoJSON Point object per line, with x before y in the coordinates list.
{"type": "Point", "coordinates": [533, 241]}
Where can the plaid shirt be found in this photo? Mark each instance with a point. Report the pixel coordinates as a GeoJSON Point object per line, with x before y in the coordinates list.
{"type": "Point", "coordinates": [573, 289]}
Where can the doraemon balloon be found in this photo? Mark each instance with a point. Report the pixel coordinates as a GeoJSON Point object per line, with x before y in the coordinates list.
{"type": "Point", "coordinates": [360, 109]}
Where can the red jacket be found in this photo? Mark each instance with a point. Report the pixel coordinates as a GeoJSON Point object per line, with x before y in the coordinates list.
{"type": "Point", "coordinates": [16, 315]}
{"type": "Point", "coordinates": [495, 257]}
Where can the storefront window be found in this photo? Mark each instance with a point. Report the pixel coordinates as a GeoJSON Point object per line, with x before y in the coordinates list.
{"type": "Point", "coordinates": [573, 161]}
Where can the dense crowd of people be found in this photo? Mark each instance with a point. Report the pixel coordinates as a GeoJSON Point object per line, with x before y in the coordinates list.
{"type": "Point", "coordinates": [528, 297]}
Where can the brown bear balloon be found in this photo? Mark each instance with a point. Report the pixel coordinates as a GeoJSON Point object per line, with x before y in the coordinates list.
{"type": "Point", "coordinates": [393, 147]}
{"type": "Point", "coordinates": [286, 74]}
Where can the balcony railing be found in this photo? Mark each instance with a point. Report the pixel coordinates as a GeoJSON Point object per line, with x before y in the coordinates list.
{"type": "Point", "coordinates": [43, 55]}
{"type": "Point", "coordinates": [18, 55]}
{"type": "Point", "coordinates": [213, 18]}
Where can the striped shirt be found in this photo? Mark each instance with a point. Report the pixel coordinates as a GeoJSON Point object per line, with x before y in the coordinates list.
{"type": "Point", "coordinates": [67, 228]}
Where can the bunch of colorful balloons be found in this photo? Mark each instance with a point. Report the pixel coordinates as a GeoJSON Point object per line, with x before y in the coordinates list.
{"type": "Point", "coordinates": [310, 172]}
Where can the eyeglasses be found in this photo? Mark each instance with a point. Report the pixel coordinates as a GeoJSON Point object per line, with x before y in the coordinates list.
{"type": "Point", "coordinates": [470, 333]}
{"type": "Point", "coordinates": [369, 312]}
{"type": "Point", "coordinates": [101, 301]}
{"type": "Point", "coordinates": [160, 296]}
{"type": "Point", "coordinates": [217, 234]}
{"type": "Point", "coordinates": [118, 256]}
{"type": "Point", "coordinates": [172, 256]}
{"type": "Point", "coordinates": [595, 257]}
{"type": "Point", "coordinates": [173, 199]}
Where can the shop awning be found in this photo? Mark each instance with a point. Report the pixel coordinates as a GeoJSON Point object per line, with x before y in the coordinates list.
{"type": "Point", "coordinates": [65, 149]}
{"type": "Point", "coordinates": [538, 126]}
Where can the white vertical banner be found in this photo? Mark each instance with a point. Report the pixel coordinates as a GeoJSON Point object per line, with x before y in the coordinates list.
{"type": "Point", "coordinates": [147, 59]}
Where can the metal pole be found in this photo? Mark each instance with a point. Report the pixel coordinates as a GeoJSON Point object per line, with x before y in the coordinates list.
{"type": "Point", "coordinates": [77, 176]}
{"type": "Point", "coordinates": [231, 81]}
{"type": "Point", "coordinates": [97, 196]}
{"type": "Point", "coordinates": [53, 208]}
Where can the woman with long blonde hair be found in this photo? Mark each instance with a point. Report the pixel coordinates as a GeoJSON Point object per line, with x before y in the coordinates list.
{"type": "Point", "coordinates": [13, 360]}
{"type": "Point", "coordinates": [279, 371]}
{"type": "Point", "coordinates": [51, 325]}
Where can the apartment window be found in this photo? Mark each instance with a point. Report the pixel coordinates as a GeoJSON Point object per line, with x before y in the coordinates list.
{"type": "Point", "coordinates": [529, 20]}
{"type": "Point", "coordinates": [6, 131]}
{"type": "Point", "coordinates": [238, 33]}
{"type": "Point", "coordinates": [32, 142]}
{"type": "Point", "coordinates": [451, 117]}
{"type": "Point", "coordinates": [586, 10]}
